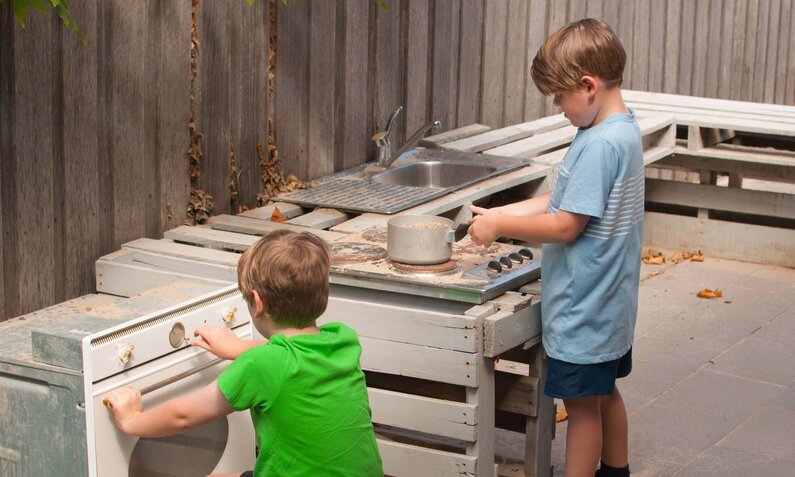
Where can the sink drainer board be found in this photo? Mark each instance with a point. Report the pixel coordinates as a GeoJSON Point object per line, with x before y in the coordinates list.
{"type": "Point", "coordinates": [362, 195]}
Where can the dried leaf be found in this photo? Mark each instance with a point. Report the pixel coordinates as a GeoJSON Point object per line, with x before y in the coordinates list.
{"type": "Point", "coordinates": [277, 216]}
{"type": "Point", "coordinates": [561, 415]}
{"type": "Point", "coordinates": [697, 257]}
{"type": "Point", "coordinates": [653, 258]}
{"type": "Point", "coordinates": [707, 293]}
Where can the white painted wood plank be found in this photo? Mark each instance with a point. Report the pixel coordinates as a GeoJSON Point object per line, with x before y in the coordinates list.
{"type": "Point", "coordinates": [320, 218]}
{"type": "Point", "coordinates": [454, 134]}
{"type": "Point", "coordinates": [210, 238]}
{"type": "Point", "coordinates": [709, 161]}
{"type": "Point", "coordinates": [403, 324]}
{"type": "Point", "coordinates": [361, 223]}
{"type": "Point", "coordinates": [423, 362]}
{"type": "Point", "coordinates": [419, 413]}
{"type": "Point", "coordinates": [121, 279]}
{"type": "Point", "coordinates": [195, 268]}
{"type": "Point", "coordinates": [483, 397]}
{"type": "Point", "coordinates": [708, 103]}
{"type": "Point", "coordinates": [773, 204]}
{"type": "Point", "coordinates": [498, 137]}
{"type": "Point", "coordinates": [405, 460]}
{"type": "Point", "coordinates": [233, 223]}
{"type": "Point", "coordinates": [643, 107]}
{"type": "Point", "coordinates": [506, 330]}
{"type": "Point", "coordinates": [187, 252]}
{"type": "Point", "coordinates": [288, 211]}
{"type": "Point", "coordinates": [721, 239]}
{"type": "Point", "coordinates": [535, 145]}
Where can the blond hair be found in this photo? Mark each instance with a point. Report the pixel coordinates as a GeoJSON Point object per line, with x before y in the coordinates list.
{"type": "Point", "coordinates": [585, 47]}
{"type": "Point", "coordinates": [289, 271]}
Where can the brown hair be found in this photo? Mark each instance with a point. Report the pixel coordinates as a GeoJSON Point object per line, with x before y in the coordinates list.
{"type": "Point", "coordinates": [289, 271]}
{"type": "Point", "coordinates": [585, 47]}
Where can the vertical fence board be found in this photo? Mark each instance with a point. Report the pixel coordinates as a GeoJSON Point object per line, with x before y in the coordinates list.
{"type": "Point", "coordinates": [470, 42]}
{"type": "Point", "coordinates": [673, 23]}
{"type": "Point", "coordinates": [595, 9]}
{"type": "Point", "coordinates": [251, 75]}
{"type": "Point", "coordinates": [656, 50]}
{"type": "Point", "coordinates": [686, 42]}
{"type": "Point", "coordinates": [81, 194]}
{"type": "Point", "coordinates": [445, 67]}
{"type": "Point", "coordinates": [610, 13]}
{"type": "Point", "coordinates": [763, 22]}
{"type": "Point", "coordinates": [494, 28]}
{"type": "Point", "coordinates": [354, 74]}
{"type": "Point", "coordinates": [213, 90]}
{"type": "Point", "coordinates": [35, 234]}
{"type": "Point", "coordinates": [322, 123]}
{"type": "Point", "coordinates": [536, 34]}
{"type": "Point", "coordinates": [785, 33]}
{"type": "Point", "coordinates": [173, 113]}
{"type": "Point", "coordinates": [727, 48]}
{"type": "Point", "coordinates": [701, 48]}
{"type": "Point", "coordinates": [8, 205]}
{"type": "Point", "coordinates": [626, 23]}
{"type": "Point", "coordinates": [417, 60]}
{"type": "Point", "coordinates": [292, 83]}
{"type": "Point", "coordinates": [640, 48]}
{"type": "Point", "coordinates": [773, 25]}
{"type": "Point", "coordinates": [739, 65]}
{"type": "Point", "coordinates": [713, 48]}
{"type": "Point", "coordinates": [388, 74]}
{"type": "Point", "coordinates": [558, 13]}
{"type": "Point", "coordinates": [515, 58]}
{"type": "Point", "coordinates": [750, 50]}
{"type": "Point", "coordinates": [789, 94]}
{"type": "Point", "coordinates": [577, 10]}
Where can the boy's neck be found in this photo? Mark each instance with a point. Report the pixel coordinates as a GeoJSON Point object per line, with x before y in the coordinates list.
{"type": "Point", "coordinates": [272, 328]}
{"type": "Point", "coordinates": [610, 103]}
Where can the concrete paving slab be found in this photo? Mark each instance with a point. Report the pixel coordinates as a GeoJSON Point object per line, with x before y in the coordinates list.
{"type": "Point", "coordinates": [762, 360]}
{"type": "Point", "coordinates": [780, 329]}
{"type": "Point", "coordinates": [773, 278]}
{"type": "Point", "coordinates": [672, 435]}
{"type": "Point", "coordinates": [785, 398]}
{"type": "Point", "coordinates": [730, 398]}
{"type": "Point", "coordinates": [722, 461]}
{"type": "Point", "coordinates": [768, 433]}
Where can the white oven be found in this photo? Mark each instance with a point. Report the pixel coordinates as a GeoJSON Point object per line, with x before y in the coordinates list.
{"type": "Point", "coordinates": [153, 355]}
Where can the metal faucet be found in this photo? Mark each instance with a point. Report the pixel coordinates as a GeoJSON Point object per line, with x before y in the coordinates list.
{"type": "Point", "coordinates": [381, 138]}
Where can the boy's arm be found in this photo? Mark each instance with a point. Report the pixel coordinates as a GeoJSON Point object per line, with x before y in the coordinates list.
{"type": "Point", "coordinates": [169, 418]}
{"type": "Point", "coordinates": [561, 227]}
{"type": "Point", "coordinates": [222, 342]}
{"type": "Point", "coordinates": [536, 205]}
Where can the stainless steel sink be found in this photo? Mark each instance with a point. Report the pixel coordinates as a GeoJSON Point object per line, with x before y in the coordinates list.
{"type": "Point", "coordinates": [433, 174]}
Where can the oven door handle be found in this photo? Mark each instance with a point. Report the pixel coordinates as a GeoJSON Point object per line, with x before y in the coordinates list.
{"type": "Point", "coordinates": [172, 379]}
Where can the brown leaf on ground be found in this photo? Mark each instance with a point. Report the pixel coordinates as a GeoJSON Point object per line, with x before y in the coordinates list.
{"type": "Point", "coordinates": [655, 273]}
{"type": "Point", "coordinates": [561, 415]}
{"type": "Point", "coordinates": [277, 216]}
{"type": "Point", "coordinates": [653, 258]}
{"type": "Point", "coordinates": [697, 257]}
{"type": "Point", "coordinates": [707, 293]}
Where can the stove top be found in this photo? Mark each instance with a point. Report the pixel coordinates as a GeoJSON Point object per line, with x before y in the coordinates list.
{"type": "Point", "coordinates": [475, 274]}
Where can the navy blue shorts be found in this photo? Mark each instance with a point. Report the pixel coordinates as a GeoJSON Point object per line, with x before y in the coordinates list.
{"type": "Point", "coordinates": [572, 381]}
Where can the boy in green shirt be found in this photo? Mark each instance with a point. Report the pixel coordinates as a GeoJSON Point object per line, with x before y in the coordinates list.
{"type": "Point", "coordinates": [304, 387]}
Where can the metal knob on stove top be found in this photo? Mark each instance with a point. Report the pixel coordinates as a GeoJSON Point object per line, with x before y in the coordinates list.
{"type": "Point", "coordinates": [516, 258]}
{"type": "Point", "coordinates": [526, 253]}
{"type": "Point", "coordinates": [505, 262]}
{"type": "Point", "coordinates": [494, 266]}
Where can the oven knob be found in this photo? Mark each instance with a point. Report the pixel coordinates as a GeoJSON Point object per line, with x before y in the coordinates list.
{"type": "Point", "coordinates": [506, 262]}
{"type": "Point", "coordinates": [125, 353]}
{"type": "Point", "coordinates": [526, 253]}
{"type": "Point", "coordinates": [229, 314]}
{"type": "Point", "coordinates": [494, 266]}
{"type": "Point", "coordinates": [515, 258]}
{"type": "Point", "coordinates": [176, 337]}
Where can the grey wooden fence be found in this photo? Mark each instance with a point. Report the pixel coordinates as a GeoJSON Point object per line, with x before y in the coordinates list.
{"type": "Point", "coordinates": [92, 138]}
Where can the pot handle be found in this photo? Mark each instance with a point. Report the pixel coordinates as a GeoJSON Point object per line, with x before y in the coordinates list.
{"type": "Point", "coordinates": [450, 235]}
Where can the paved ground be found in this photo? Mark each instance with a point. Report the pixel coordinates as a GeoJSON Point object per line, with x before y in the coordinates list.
{"type": "Point", "coordinates": [712, 391]}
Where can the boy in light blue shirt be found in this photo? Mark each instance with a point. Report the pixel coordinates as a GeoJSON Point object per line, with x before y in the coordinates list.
{"type": "Point", "coordinates": [592, 228]}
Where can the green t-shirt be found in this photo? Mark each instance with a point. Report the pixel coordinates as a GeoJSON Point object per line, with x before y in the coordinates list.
{"type": "Point", "coordinates": [308, 401]}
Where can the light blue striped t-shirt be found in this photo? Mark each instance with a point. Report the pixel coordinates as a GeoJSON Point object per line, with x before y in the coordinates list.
{"type": "Point", "coordinates": [590, 285]}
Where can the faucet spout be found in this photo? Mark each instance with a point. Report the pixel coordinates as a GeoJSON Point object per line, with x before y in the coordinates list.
{"type": "Point", "coordinates": [411, 142]}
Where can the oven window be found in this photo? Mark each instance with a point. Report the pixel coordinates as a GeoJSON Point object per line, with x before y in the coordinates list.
{"type": "Point", "coordinates": [191, 453]}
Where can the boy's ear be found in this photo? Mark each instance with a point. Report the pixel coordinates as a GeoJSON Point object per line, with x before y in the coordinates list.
{"type": "Point", "coordinates": [259, 305]}
{"type": "Point", "coordinates": [590, 84]}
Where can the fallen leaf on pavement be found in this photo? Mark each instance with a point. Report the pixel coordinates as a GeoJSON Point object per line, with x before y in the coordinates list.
{"type": "Point", "coordinates": [707, 293]}
{"type": "Point", "coordinates": [561, 415]}
{"type": "Point", "coordinates": [277, 216]}
{"type": "Point", "coordinates": [697, 257]}
{"type": "Point", "coordinates": [653, 258]}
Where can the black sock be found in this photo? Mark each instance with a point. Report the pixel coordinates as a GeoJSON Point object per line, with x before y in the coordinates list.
{"type": "Point", "coordinates": [605, 470]}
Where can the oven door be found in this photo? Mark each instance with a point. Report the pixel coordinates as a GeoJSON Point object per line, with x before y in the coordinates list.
{"type": "Point", "coordinates": [224, 445]}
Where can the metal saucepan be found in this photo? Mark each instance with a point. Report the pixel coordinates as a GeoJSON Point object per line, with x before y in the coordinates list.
{"type": "Point", "coordinates": [422, 239]}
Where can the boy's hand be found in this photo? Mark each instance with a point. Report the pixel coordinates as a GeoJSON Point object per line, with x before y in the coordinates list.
{"type": "Point", "coordinates": [125, 403]}
{"type": "Point", "coordinates": [483, 228]}
{"type": "Point", "coordinates": [221, 342]}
